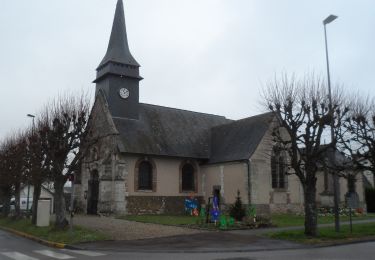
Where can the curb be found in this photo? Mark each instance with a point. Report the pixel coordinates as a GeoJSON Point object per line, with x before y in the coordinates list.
{"type": "Point", "coordinates": [190, 251]}
{"type": "Point", "coordinates": [234, 250]}
{"type": "Point", "coordinates": [348, 242]}
{"type": "Point", "coordinates": [134, 249]}
{"type": "Point", "coordinates": [36, 239]}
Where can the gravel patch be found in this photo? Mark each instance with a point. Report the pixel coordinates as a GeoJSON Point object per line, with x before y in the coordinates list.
{"type": "Point", "coordinates": [119, 229]}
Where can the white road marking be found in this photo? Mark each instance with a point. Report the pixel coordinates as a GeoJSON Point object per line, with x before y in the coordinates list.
{"type": "Point", "coordinates": [18, 256]}
{"type": "Point", "coordinates": [53, 254]}
{"type": "Point", "coordinates": [84, 252]}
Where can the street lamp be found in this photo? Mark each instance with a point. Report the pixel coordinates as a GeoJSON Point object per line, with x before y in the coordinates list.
{"type": "Point", "coordinates": [28, 181]}
{"type": "Point", "coordinates": [326, 21]}
{"type": "Point", "coordinates": [33, 117]}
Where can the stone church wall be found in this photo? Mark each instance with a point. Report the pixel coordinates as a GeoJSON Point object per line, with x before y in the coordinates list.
{"type": "Point", "coordinates": [167, 176]}
{"type": "Point", "coordinates": [166, 197]}
{"type": "Point", "coordinates": [229, 178]}
{"type": "Point", "coordinates": [266, 199]}
{"type": "Point", "coordinates": [111, 173]}
{"type": "Point", "coordinates": [157, 204]}
{"type": "Point", "coordinates": [103, 159]}
{"type": "Point", "coordinates": [325, 199]}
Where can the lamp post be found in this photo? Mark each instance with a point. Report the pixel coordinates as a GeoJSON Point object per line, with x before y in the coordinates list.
{"type": "Point", "coordinates": [326, 21]}
{"type": "Point", "coordinates": [28, 181]}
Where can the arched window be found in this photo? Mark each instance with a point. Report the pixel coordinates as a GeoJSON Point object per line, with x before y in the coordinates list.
{"type": "Point", "coordinates": [94, 154]}
{"type": "Point", "coordinates": [278, 169]}
{"type": "Point", "coordinates": [188, 177]}
{"type": "Point", "coordinates": [328, 181]}
{"type": "Point", "coordinates": [351, 183]}
{"type": "Point", "coordinates": [145, 176]}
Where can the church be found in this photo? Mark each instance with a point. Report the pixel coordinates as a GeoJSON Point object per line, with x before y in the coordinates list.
{"type": "Point", "coordinates": [147, 159]}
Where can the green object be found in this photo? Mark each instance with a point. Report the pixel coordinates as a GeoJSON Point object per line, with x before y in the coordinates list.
{"type": "Point", "coordinates": [203, 212]}
{"type": "Point", "coordinates": [251, 211]}
{"type": "Point", "coordinates": [237, 210]}
{"type": "Point", "coordinates": [223, 222]}
{"type": "Point", "coordinates": [231, 221]}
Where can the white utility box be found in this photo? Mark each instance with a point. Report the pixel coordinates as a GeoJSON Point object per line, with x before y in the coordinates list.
{"type": "Point", "coordinates": [43, 215]}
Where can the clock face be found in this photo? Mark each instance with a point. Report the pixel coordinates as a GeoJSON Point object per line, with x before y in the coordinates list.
{"type": "Point", "coordinates": [124, 93]}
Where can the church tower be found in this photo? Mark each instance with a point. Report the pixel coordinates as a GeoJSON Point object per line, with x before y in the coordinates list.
{"type": "Point", "coordinates": [117, 75]}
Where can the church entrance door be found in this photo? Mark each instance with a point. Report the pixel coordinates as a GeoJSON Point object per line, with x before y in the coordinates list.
{"type": "Point", "coordinates": [216, 193]}
{"type": "Point", "coordinates": [93, 193]}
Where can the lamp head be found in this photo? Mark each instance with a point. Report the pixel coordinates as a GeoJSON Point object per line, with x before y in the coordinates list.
{"type": "Point", "coordinates": [329, 19]}
{"type": "Point", "coordinates": [30, 115]}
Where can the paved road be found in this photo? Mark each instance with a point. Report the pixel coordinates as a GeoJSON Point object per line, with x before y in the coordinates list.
{"type": "Point", "coordinates": [361, 251]}
{"type": "Point", "coordinates": [13, 247]}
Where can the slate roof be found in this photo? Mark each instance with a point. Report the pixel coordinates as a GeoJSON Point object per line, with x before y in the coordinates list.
{"type": "Point", "coordinates": [118, 47]}
{"type": "Point", "coordinates": [179, 133]}
{"type": "Point", "coordinates": [168, 132]}
{"type": "Point", "coordinates": [239, 139]}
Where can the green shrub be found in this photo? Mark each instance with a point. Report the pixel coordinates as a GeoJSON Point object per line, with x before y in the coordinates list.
{"type": "Point", "coordinates": [237, 210]}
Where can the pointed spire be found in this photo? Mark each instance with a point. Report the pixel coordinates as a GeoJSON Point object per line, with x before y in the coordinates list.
{"type": "Point", "coordinates": [118, 48]}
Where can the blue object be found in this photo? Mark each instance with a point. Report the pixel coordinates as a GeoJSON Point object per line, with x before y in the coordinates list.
{"type": "Point", "coordinates": [190, 205]}
{"type": "Point", "coordinates": [215, 212]}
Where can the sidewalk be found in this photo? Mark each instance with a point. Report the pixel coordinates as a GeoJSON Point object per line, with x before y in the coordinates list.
{"type": "Point", "coordinates": [212, 241]}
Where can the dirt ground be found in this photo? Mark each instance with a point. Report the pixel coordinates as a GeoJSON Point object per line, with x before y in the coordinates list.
{"type": "Point", "coordinates": [119, 229]}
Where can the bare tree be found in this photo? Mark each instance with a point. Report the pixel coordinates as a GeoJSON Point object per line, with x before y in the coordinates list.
{"type": "Point", "coordinates": [357, 134]}
{"type": "Point", "coordinates": [66, 120]}
{"type": "Point", "coordinates": [13, 167]}
{"type": "Point", "coordinates": [37, 165]}
{"type": "Point", "coordinates": [5, 181]}
{"type": "Point", "coordinates": [303, 110]}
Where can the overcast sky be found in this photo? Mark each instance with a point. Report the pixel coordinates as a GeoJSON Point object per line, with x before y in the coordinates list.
{"type": "Point", "coordinates": [209, 56]}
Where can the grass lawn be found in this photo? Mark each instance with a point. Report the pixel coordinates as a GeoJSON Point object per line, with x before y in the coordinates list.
{"type": "Point", "coordinates": [280, 220]}
{"type": "Point", "coordinates": [182, 220]}
{"type": "Point", "coordinates": [327, 235]}
{"type": "Point", "coordinates": [49, 233]}
{"type": "Point", "coordinates": [288, 220]}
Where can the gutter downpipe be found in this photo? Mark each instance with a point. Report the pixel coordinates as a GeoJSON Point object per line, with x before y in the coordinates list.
{"type": "Point", "coordinates": [248, 162]}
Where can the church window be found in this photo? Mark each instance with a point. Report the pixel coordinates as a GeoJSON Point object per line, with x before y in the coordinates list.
{"type": "Point", "coordinates": [328, 181]}
{"type": "Point", "coordinates": [351, 183]}
{"type": "Point", "coordinates": [145, 176]}
{"type": "Point", "coordinates": [188, 177]}
{"type": "Point", "coordinates": [278, 170]}
{"type": "Point", "coordinates": [94, 154]}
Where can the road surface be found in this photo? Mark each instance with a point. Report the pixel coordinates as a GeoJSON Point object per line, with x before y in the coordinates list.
{"type": "Point", "coordinates": [13, 247]}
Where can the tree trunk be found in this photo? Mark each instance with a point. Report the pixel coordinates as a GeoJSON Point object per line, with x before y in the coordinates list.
{"type": "Point", "coordinates": [17, 190]}
{"type": "Point", "coordinates": [311, 214]}
{"type": "Point", "coordinates": [6, 203]}
{"type": "Point", "coordinates": [36, 196]}
{"type": "Point", "coordinates": [60, 207]}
